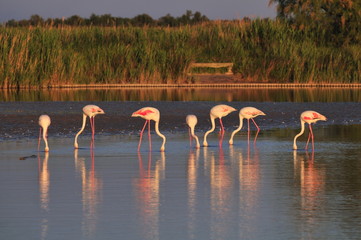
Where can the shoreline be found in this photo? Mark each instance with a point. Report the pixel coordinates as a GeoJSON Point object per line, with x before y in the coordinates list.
{"type": "Point", "coordinates": [192, 85]}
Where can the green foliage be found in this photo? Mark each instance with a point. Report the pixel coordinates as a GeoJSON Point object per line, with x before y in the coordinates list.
{"type": "Point", "coordinates": [262, 51]}
{"type": "Point", "coordinates": [336, 22]}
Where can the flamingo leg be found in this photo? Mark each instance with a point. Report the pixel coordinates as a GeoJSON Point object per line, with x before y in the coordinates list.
{"type": "Point", "coordinates": [249, 131]}
{"type": "Point", "coordinates": [309, 136]}
{"type": "Point", "coordinates": [258, 129]}
{"type": "Point", "coordinates": [220, 122]}
{"type": "Point", "coordinates": [149, 136]}
{"type": "Point", "coordinates": [141, 135]}
{"type": "Point", "coordinates": [39, 139]}
{"type": "Point", "coordinates": [311, 132]}
{"type": "Point", "coordinates": [92, 125]}
{"type": "Point", "coordinates": [190, 137]}
{"type": "Point", "coordinates": [221, 140]}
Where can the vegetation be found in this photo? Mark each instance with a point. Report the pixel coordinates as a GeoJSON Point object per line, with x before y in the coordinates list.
{"type": "Point", "coordinates": [262, 50]}
{"type": "Point", "coordinates": [108, 20]}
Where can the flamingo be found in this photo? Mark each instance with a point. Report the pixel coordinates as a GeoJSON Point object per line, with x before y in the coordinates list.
{"type": "Point", "coordinates": [217, 111]}
{"type": "Point", "coordinates": [191, 121]}
{"type": "Point", "coordinates": [150, 113]}
{"type": "Point", "coordinates": [44, 123]}
{"type": "Point", "coordinates": [308, 117]}
{"type": "Point", "coordinates": [247, 113]}
{"type": "Point", "coordinates": [88, 111]}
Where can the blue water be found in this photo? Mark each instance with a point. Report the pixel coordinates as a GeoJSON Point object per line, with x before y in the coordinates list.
{"type": "Point", "coordinates": [262, 191]}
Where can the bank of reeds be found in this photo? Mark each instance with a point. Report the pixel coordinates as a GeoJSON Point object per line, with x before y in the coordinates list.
{"type": "Point", "coordinates": [261, 50]}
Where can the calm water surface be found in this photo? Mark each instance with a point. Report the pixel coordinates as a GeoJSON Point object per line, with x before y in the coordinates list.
{"type": "Point", "coordinates": [265, 191]}
{"type": "Point", "coordinates": [262, 191]}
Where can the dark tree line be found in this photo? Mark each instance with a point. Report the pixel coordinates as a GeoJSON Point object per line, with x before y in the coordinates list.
{"type": "Point", "coordinates": [337, 21]}
{"type": "Point", "coordinates": [107, 20]}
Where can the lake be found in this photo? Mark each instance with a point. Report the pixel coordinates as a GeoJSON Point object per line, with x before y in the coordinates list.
{"type": "Point", "coordinates": [245, 191]}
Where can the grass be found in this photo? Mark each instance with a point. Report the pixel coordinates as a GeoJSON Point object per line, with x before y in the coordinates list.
{"type": "Point", "coordinates": [261, 50]}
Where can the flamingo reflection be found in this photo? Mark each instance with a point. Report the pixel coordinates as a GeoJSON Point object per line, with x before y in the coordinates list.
{"type": "Point", "coordinates": [312, 184]}
{"type": "Point", "coordinates": [44, 186]}
{"type": "Point", "coordinates": [192, 191]}
{"type": "Point", "coordinates": [146, 188]}
{"type": "Point", "coordinates": [91, 187]}
{"type": "Point", "coordinates": [221, 199]}
{"type": "Point", "coordinates": [249, 184]}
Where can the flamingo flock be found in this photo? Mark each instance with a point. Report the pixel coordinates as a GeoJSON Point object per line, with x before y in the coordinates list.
{"type": "Point", "coordinates": [153, 114]}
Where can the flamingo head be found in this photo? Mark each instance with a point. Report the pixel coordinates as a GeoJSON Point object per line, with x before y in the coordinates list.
{"type": "Point", "coordinates": [322, 118]}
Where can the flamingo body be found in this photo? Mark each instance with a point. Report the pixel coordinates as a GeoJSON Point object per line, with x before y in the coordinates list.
{"type": "Point", "coordinates": [247, 113]}
{"type": "Point", "coordinates": [218, 111]}
{"type": "Point", "coordinates": [44, 123]}
{"type": "Point", "coordinates": [150, 113]}
{"type": "Point", "coordinates": [88, 111]}
{"type": "Point", "coordinates": [308, 117]}
{"type": "Point", "coordinates": [191, 121]}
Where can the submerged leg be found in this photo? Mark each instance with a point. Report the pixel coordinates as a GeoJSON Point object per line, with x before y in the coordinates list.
{"type": "Point", "coordinates": [149, 136]}
{"type": "Point", "coordinates": [258, 129]}
{"type": "Point", "coordinates": [220, 122]}
{"type": "Point", "coordinates": [141, 135]}
{"type": "Point", "coordinates": [311, 132]}
{"type": "Point", "coordinates": [39, 139]}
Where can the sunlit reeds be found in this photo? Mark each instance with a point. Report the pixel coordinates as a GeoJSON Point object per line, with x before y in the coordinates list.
{"type": "Point", "coordinates": [261, 50]}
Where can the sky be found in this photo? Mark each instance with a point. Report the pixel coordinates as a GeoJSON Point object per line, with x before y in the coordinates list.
{"type": "Point", "coordinates": [213, 9]}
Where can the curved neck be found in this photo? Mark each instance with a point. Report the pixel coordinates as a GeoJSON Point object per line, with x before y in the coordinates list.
{"type": "Point", "coordinates": [195, 137]}
{"type": "Point", "coordinates": [81, 130]}
{"type": "Point", "coordinates": [45, 133]}
{"type": "Point", "coordinates": [209, 131]}
{"type": "Point", "coordinates": [301, 132]}
{"type": "Point", "coordinates": [162, 148]}
{"type": "Point", "coordinates": [237, 130]}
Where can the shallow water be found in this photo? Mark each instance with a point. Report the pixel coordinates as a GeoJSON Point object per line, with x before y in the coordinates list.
{"type": "Point", "coordinates": [262, 191]}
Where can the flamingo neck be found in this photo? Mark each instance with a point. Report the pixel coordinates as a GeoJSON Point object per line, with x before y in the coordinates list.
{"type": "Point", "coordinates": [45, 132]}
{"type": "Point", "coordinates": [205, 144]}
{"type": "Point", "coordinates": [81, 130]}
{"type": "Point", "coordinates": [237, 130]}
{"type": "Point", "coordinates": [195, 137]}
{"type": "Point", "coordinates": [162, 148]}
{"type": "Point", "coordinates": [300, 133]}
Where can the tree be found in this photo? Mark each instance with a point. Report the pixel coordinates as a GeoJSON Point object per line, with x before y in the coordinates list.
{"type": "Point", "coordinates": [339, 20]}
{"type": "Point", "coordinates": [143, 19]}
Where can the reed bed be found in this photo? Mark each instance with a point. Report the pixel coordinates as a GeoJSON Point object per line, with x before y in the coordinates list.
{"type": "Point", "coordinates": [265, 51]}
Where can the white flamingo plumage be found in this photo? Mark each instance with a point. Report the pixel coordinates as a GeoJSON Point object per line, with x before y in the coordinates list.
{"type": "Point", "coordinates": [150, 113]}
{"type": "Point", "coordinates": [308, 117]}
{"type": "Point", "coordinates": [247, 113]}
{"type": "Point", "coordinates": [217, 111]}
{"type": "Point", "coordinates": [191, 121]}
{"type": "Point", "coordinates": [88, 111]}
{"type": "Point", "coordinates": [44, 122]}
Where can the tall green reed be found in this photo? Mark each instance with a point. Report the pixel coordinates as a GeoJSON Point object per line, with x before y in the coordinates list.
{"type": "Point", "coordinates": [261, 50]}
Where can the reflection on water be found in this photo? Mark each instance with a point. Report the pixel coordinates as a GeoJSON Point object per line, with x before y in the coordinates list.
{"type": "Point", "coordinates": [249, 180]}
{"type": "Point", "coordinates": [91, 192]}
{"type": "Point", "coordinates": [44, 185]}
{"type": "Point", "coordinates": [192, 168]}
{"type": "Point", "coordinates": [231, 192]}
{"type": "Point", "coordinates": [147, 195]}
{"type": "Point", "coordinates": [311, 179]}
{"type": "Point", "coordinates": [187, 94]}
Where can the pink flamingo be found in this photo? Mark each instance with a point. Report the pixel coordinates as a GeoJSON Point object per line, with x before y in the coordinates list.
{"type": "Point", "coordinates": [247, 113]}
{"type": "Point", "coordinates": [308, 117]}
{"type": "Point", "coordinates": [44, 122]}
{"type": "Point", "coordinates": [191, 121]}
{"type": "Point", "coordinates": [88, 111]}
{"type": "Point", "coordinates": [150, 113]}
{"type": "Point", "coordinates": [217, 111]}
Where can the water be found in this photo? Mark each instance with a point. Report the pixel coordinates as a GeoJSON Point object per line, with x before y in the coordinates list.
{"type": "Point", "coordinates": [239, 192]}
{"type": "Point", "coordinates": [245, 191]}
